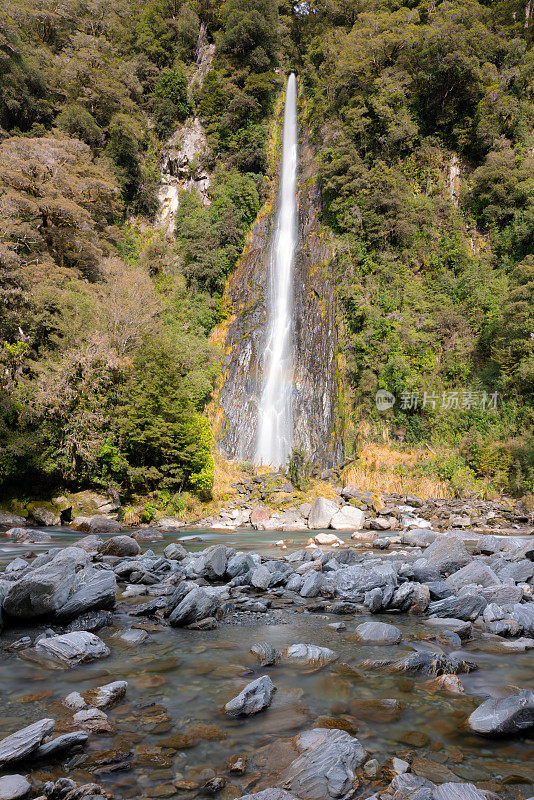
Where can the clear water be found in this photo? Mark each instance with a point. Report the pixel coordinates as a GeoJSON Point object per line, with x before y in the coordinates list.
{"type": "Point", "coordinates": [275, 414]}
{"type": "Point", "coordinates": [180, 678]}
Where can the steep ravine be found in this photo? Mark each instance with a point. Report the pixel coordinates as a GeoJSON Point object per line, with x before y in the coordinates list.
{"type": "Point", "coordinates": [317, 426]}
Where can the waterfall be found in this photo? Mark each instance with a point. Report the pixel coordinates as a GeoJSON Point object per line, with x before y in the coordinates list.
{"type": "Point", "coordinates": [275, 417]}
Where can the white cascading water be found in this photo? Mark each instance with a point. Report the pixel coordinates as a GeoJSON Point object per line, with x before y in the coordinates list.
{"type": "Point", "coordinates": [275, 420]}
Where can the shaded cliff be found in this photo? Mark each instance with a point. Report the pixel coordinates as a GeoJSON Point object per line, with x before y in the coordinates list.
{"type": "Point", "coordinates": [315, 387]}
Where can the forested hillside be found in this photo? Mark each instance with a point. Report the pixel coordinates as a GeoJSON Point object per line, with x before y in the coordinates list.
{"type": "Point", "coordinates": [421, 115]}
{"type": "Point", "coordinates": [106, 364]}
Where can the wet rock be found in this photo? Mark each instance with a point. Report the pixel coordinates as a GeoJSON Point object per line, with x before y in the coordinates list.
{"type": "Point", "coordinates": [504, 716]}
{"type": "Point", "coordinates": [458, 626]}
{"type": "Point", "coordinates": [360, 579]}
{"type": "Point", "coordinates": [321, 513]}
{"type": "Point", "coordinates": [42, 591]}
{"type": "Point", "coordinates": [326, 765]}
{"type": "Point", "coordinates": [24, 742]}
{"type": "Point", "coordinates": [378, 633]}
{"type": "Point", "coordinates": [133, 637]}
{"type": "Point", "coordinates": [92, 621]}
{"type": "Point", "coordinates": [214, 785]}
{"type": "Point", "coordinates": [75, 701]}
{"type": "Point", "coordinates": [265, 654]}
{"type": "Point", "coordinates": [465, 607]}
{"type": "Point", "coordinates": [175, 552]}
{"type": "Point", "coordinates": [445, 683]}
{"type": "Point", "coordinates": [61, 744]}
{"type": "Point", "coordinates": [28, 536]}
{"type": "Point", "coordinates": [237, 764]}
{"type": "Point", "coordinates": [92, 589]}
{"type": "Point", "coordinates": [14, 786]}
{"type": "Point", "coordinates": [424, 663]}
{"type": "Point", "coordinates": [107, 695]}
{"type": "Point", "coordinates": [310, 655]}
{"type": "Point", "coordinates": [255, 697]}
{"type": "Point", "coordinates": [195, 606]}
{"type": "Point", "coordinates": [17, 565]}
{"type": "Point", "coordinates": [93, 720]}
{"type": "Point", "coordinates": [68, 649]}
{"type": "Point", "coordinates": [347, 518]}
{"type": "Point", "coordinates": [121, 546]}
{"type": "Point", "coordinates": [448, 554]}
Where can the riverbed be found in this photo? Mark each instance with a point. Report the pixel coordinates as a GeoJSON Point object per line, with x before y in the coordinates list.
{"type": "Point", "coordinates": [171, 722]}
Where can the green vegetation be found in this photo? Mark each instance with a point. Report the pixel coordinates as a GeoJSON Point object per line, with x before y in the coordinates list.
{"type": "Point", "coordinates": [434, 275]}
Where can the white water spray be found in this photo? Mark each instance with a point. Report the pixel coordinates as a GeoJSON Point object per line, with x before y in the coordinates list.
{"type": "Point", "coordinates": [275, 422]}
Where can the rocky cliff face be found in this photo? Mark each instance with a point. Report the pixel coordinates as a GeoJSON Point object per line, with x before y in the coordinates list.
{"type": "Point", "coordinates": [181, 159]}
{"type": "Point", "coordinates": [315, 398]}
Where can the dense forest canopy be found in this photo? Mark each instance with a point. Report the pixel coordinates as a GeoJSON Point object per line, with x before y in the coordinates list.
{"type": "Point", "coordinates": [421, 115]}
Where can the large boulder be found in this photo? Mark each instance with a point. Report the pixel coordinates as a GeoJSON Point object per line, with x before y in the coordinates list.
{"type": "Point", "coordinates": [68, 649]}
{"type": "Point", "coordinates": [121, 546]}
{"type": "Point", "coordinates": [448, 554]}
{"type": "Point", "coordinates": [12, 787]}
{"type": "Point", "coordinates": [255, 697]}
{"type": "Point", "coordinates": [96, 524]}
{"type": "Point", "coordinates": [475, 573]}
{"type": "Point", "coordinates": [523, 613]}
{"type": "Point", "coordinates": [458, 791]}
{"type": "Point", "coordinates": [326, 765]}
{"type": "Point", "coordinates": [505, 715]}
{"type": "Point", "coordinates": [28, 535]}
{"type": "Point", "coordinates": [215, 560]}
{"type": "Point", "coordinates": [423, 662]}
{"type": "Point", "coordinates": [356, 579]}
{"type": "Point", "coordinates": [466, 607]}
{"type": "Point", "coordinates": [24, 742]}
{"type": "Point", "coordinates": [93, 589]}
{"type": "Point", "coordinates": [45, 513]}
{"type": "Point", "coordinates": [175, 552]}
{"type": "Point", "coordinates": [348, 518]}
{"type": "Point", "coordinates": [197, 604]}
{"type": "Point", "coordinates": [8, 520]}
{"type": "Point", "coordinates": [378, 633]}
{"type": "Point", "coordinates": [259, 517]}
{"type": "Point", "coordinates": [42, 591]}
{"type": "Point", "coordinates": [322, 513]}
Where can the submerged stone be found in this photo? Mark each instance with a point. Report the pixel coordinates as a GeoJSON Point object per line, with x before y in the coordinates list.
{"type": "Point", "coordinates": [255, 697]}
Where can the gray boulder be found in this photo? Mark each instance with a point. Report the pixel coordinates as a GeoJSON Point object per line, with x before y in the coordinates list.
{"type": "Point", "coordinates": [215, 560]}
{"type": "Point", "coordinates": [24, 742]}
{"type": "Point", "coordinates": [312, 584]}
{"type": "Point", "coordinates": [326, 766]}
{"type": "Point", "coordinates": [378, 633]}
{"type": "Point", "coordinates": [473, 573]}
{"type": "Point", "coordinates": [261, 577]}
{"type": "Point", "coordinates": [255, 697]}
{"type": "Point", "coordinates": [93, 589]}
{"type": "Point", "coordinates": [14, 786]}
{"type": "Point", "coordinates": [321, 513]}
{"type": "Point", "coordinates": [359, 579]}
{"type": "Point", "coordinates": [265, 654]}
{"type": "Point", "coordinates": [8, 520]}
{"type": "Point", "coordinates": [448, 554]}
{"type": "Point", "coordinates": [42, 591]}
{"type": "Point", "coordinates": [424, 662]}
{"type": "Point", "coordinates": [175, 552]}
{"type": "Point", "coordinates": [309, 655]}
{"type": "Point", "coordinates": [28, 535]}
{"type": "Point", "coordinates": [68, 649]}
{"type": "Point", "coordinates": [195, 606]}
{"type": "Point", "coordinates": [121, 546]}
{"type": "Point", "coordinates": [107, 695]}
{"type": "Point", "coordinates": [466, 607]}
{"type": "Point", "coordinates": [523, 614]}
{"type": "Point", "coordinates": [505, 715]}
{"type": "Point", "coordinates": [458, 626]}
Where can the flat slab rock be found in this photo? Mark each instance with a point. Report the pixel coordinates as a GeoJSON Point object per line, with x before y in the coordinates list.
{"type": "Point", "coordinates": [68, 649]}
{"type": "Point", "coordinates": [24, 742]}
{"type": "Point", "coordinates": [255, 697]}
{"type": "Point", "coordinates": [504, 716]}
{"type": "Point", "coordinates": [13, 787]}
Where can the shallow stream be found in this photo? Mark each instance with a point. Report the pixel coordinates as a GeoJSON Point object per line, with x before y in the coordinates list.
{"type": "Point", "coordinates": [171, 719]}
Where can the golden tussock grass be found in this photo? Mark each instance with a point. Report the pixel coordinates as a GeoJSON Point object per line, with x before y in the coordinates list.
{"type": "Point", "coordinates": [386, 470]}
